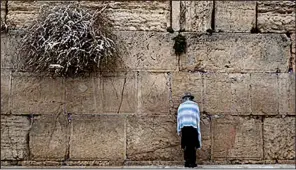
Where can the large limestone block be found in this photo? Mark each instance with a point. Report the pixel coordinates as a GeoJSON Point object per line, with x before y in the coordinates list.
{"type": "Point", "coordinates": [32, 94]}
{"type": "Point", "coordinates": [227, 93]}
{"type": "Point", "coordinates": [14, 132]}
{"type": "Point", "coordinates": [82, 96]}
{"type": "Point", "coordinates": [287, 93]}
{"type": "Point", "coordinates": [153, 138]}
{"type": "Point", "coordinates": [279, 138]}
{"type": "Point", "coordinates": [237, 138]}
{"type": "Point", "coordinates": [276, 16]}
{"type": "Point", "coordinates": [186, 82]}
{"type": "Point", "coordinates": [97, 138]}
{"type": "Point", "coordinates": [196, 15]}
{"type": "Point", "coordinates": [154, 93]}
{"type": "Point", "coordinates": [135, 15]}
{"type": "Point", "coordinates": [9, 47]}
{"type": "Point", "coordinates": [226, 52]}
{"type": "Point", "coordinates": [235, 16]}
{"type": "Point", "coordinates": [5, 91]}
{"type": "Point", "coordinates": [49, 137]}
{"type": "Point", "coordinates": [217, 91]}
{"type": "Point", "coordinates": [264, 94]}
{"type": "Point", "coordinates": [147, 50]}
{"type": "Point", "coordinates": [119, 93]}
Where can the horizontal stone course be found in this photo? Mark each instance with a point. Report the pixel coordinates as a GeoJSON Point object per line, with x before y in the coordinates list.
{"type": "Point", "coordinates": [239, 52]}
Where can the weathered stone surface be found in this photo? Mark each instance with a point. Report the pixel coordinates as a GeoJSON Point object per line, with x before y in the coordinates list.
{"type": "Point", "coordinates": [147, 50]}
{"type": "Point", "coordinates": [235, 16]}
{"type": "Point", "coordinates": [9, 44]}
{"type": "Point", "coordinates": [14, 131]}
{"type": "Point", "coordinates": [186, 82]}
{"type": "Point", "coordinates": [135, 15]}
{"type": "Point", "coordinates": [97, 138]}
{"type": "Point", "coordinates": [49, 137]}
{"type": "Point", "coordinates": [225, 52]}
{"type": "Point", "coordinates": [82, 96]}
{"type": "Point", "coordinates": [286, 93]}
{"type": "Point", "coordinates": [154, 93]}
{"type": "Point", "coordinates": [204, 154]}
{"type": "Point", "coordinates": [279, 138]}
{"type": "Point", "coordinates": [119, 93]}
{"type": "Point", "coordinates": [36, 94]}
{"type": "Point", "coordinates": [153, 138]}
{"type": "Point", "coordinates": [276, 16]}
{"type": "Point", "coordinates": [217, 91]}
{"type": "Point", "coordinates": [23, 13]}
{"type": "Point", "coordinates": [227, 93]}
{"type": "Point", "coordinates": [264, 94]}
{"type": "Point", "coordinates": [237, 138]}
{"type": "Point", "coordinates": [240, 91]}
{"type": "Point", "coordinates": [196, 15]}
{"type": "Point", "coordinates": [5, 91]}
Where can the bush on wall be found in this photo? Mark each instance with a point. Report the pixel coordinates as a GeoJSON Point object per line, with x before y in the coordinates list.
{"type": "Point", "coordinates": [67, 41]}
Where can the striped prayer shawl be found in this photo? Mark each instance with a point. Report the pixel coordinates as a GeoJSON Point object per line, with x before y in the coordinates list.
{"type": "Point", "coordinates": [189, 115]}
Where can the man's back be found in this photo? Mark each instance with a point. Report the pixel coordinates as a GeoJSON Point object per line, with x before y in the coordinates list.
{"type": "Point", "coordinates": [188, 115]}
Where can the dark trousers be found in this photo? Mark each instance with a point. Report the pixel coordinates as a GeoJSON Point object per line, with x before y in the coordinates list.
{"type": "Point", "coordinates": [189, 142]}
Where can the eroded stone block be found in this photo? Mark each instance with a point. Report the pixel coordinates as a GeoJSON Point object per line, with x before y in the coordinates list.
{"type": "Point", "coordinates": [226, 52]}
{"type": "Point", "coordinates": [287, 93]}
{"type": "Point", "coordinates": [36, 95]}
{"type": "Point", "coordinates": [49, 137]}
{"type": "Point", "coordinates": [153, 138]}
{"type": "Point", "coordinates": [154, 93]}
{"type": "Point", "coordinates": [276, 16]}
{"type": "Point", "coordinates": [14, 131]}
{"type": "Point", "coordinates": [119, 93]}
{"type": "Point", "coordinates": [264, 94]}
{"type": "Point", "coordinates": [135, 15]}
{"type": "Point", "coordinates": [237, 138]}
{"type": "Point", "coordinates": [147, 51]}
{"type": "Point", "coordinates": [235, 16]}
{"type": "Point", "coordinates": [97, 138]}
{"type": "Point", "coordinates": [5, 91]}
{"type": "Point", "coordinates": [279, 138]}
{"type": "Point", "coordinates": [82, 96]}
{"type": "Point", "coordinates": [196, 15]}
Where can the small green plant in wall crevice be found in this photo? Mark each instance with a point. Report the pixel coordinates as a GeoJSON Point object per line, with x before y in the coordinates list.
{"type": "Point", "coordinates": [68, 41]}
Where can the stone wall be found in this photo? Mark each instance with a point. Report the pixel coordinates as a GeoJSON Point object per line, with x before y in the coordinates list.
{"type": "Point", "coordinates": [242, 76]}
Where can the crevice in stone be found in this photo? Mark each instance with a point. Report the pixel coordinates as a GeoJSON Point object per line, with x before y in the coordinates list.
{"type": "Point", "coordinates": [170, 28]}
{"type": "Point", "coordinates": [255, 28]}
{"type": "Point", "coordinates": [122, 92]}
{"type": "Point", "coordinates": [262, 129]}
{"type": "Point", "coordinates": [213, 16]}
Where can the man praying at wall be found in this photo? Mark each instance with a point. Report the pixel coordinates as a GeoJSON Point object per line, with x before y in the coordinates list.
{"type": "Point", "coordinates": [188, 125]}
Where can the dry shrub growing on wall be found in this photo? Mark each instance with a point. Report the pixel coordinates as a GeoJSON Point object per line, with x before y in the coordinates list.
{"type": "Point", "coordinates": [67, 41]}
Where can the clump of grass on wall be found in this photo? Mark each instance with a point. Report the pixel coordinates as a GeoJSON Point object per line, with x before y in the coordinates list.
{"type": "Point", "coordinates": [67, 41]}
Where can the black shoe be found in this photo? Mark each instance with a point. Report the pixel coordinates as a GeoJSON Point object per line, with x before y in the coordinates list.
{"type": "Point", "coordinates": [187, 164]}
{"type": "Point", "coordinates": [193, 165]}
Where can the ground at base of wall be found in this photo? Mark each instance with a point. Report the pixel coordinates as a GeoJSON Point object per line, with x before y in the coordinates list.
{"type": "Point", "coordinates": [276, 166]}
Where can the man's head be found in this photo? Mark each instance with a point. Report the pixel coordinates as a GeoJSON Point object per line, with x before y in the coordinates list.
{"type": "Point", "coordinates": [187, 96]}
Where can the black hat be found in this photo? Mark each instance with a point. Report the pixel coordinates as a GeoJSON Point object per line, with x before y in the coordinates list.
{"type": "Point", "coordinates": [187, 94]}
